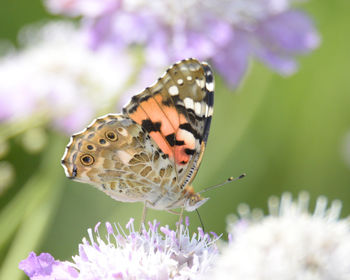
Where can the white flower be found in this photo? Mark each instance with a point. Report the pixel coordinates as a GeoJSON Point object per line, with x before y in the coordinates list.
{"type": "Point", "coordinates": [58, 76]}
{"type": "Point", "coordinates": [290, 243]}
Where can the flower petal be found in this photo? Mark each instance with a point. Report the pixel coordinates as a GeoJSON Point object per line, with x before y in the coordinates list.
{"type": "Point", "coordinates": [283, 64]}
{"type": "Point", "coordinates": [232, 61]}
{"type": "Point", "coordinates": [290, 32]}
{"type": "Point", "coordinates": [46, 267]}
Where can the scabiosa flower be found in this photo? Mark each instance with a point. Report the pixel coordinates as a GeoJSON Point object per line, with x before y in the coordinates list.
{"type": "Point", "coordinates": [290, 243]}
{"type": "Point", "coordinates": [227, 32]}
{"type": "Point", "coordinates": [57, 77]}
{"type": "Point", "coordinates": [155, 253]}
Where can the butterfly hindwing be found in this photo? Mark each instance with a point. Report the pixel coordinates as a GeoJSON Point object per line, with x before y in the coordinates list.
{"type": "Point", "coordinates": [118, 157]}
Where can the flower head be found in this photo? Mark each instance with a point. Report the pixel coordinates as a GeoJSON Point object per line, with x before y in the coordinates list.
{"type": "Point", "coordinates": [58, 78]}
{"type": "Point", "coordinates": [290, 243]}
{"type": "Point", "coordinates": [227, 32]}
{"type": "Point", "coordinates": [155, 253]}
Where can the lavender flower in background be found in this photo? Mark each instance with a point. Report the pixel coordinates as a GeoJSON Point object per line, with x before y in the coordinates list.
{"type": "Point", "coordinates": [58, 78]}
{"type": "Point", "coordinates": [290, 243]}
{"type": "Point", "coordinates": [227, 32]}
{"type": "Point", "coordinates": [156, 253]}
{"type": "Point", "coordinates": [68, 74]}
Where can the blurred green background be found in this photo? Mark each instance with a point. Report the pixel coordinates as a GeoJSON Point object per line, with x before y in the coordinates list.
{"type": "Point", "coordinates": [287, 134]}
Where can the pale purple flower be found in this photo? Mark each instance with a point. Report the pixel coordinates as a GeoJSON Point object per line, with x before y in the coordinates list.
{"type": "Point", "coordinates": [155, 253]}
{"type": "Point", "coordinates": [45, 267]}
{"type": "Point", "coordinates": [290, 243]}
{"type": "Point", "coordinates": [226, 32]}
{"type": "Point", "coordinates": [56, 78]}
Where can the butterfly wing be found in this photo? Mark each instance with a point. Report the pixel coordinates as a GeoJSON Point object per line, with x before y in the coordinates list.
{"type": "Point", "coordinates": [152, 151]}
{"type": "Point", "coordinates": [117, 156]}
{"type": "Point", "coordinates": [176, 111]}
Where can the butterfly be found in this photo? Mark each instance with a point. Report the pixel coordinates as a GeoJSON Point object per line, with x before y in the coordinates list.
{"type": "Point", "coordinates": [151, 151]}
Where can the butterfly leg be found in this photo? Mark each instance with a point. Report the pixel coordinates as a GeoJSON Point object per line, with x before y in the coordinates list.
{"type": "Point", "coordinates": [179, 223]}
{"type": "Point", "coordinates": [173, 212]}
{"type": "Point", "coordinates": [144, 213]}
{"type": "Point", "coordinates": [180, 214]}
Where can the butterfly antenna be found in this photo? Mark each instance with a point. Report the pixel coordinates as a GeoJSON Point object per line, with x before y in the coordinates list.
{"type": "Point", "coordinates": [200, 219]}
{"type": "Point", "coordinates": [229, 180]}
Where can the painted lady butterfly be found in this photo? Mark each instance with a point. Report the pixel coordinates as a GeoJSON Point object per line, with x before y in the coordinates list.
{"type": "Point", "coordinates": [152, 151]}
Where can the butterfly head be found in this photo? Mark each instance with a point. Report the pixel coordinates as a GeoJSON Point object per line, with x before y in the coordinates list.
{"type": "Point", "coordinates": [194, 200]}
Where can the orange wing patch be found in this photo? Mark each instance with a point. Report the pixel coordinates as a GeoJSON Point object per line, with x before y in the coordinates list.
{"type": "Point", "coordinates": [163, 122]}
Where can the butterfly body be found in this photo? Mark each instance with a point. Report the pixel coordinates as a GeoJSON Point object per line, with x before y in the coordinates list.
{"type": "Point", "coordinates": [152, 151]}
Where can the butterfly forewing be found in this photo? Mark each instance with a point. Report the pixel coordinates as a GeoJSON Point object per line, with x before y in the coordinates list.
{"type": "Point", "coordinates": [176, 112]}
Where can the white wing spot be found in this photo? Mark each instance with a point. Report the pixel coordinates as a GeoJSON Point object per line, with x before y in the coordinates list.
{"type": "Point", "coordinates": [122, 131]}
{"type": "Point", "coordinates": [180, 81]}
{"type": "Point", "coordinates": [198, 108]}
{"type": "Point", "coordinates": [124, 156]}
{"type": "Point", "coordinates": [210, 111]}
{"type": "Point", "coordinates": [173, 90]}
{"type": "Point", "coordinates": [188, 137]}
{"type": "Point", "coordinates": [189, 78]}
{"type": "Point", "coordinates": [206, 110]}
{"type": "Point", "coordinates": [188, 103]}
{"type": "Point", "coordinates": [210, 86]}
